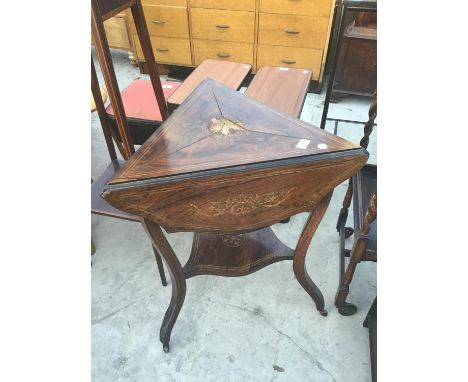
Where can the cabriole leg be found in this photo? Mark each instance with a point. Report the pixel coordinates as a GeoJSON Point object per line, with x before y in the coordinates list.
{"type": "Point", "coordinates": [301, 251]}
{"type": "Point", "coordinates": [177, 280]}
{"type": "Point", "coordinates": [160, 266]}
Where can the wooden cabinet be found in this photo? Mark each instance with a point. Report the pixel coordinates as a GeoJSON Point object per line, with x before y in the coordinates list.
{"type": "Point", "coordinates": [356, 72]}
{"type": "Point", "coordinates": [168, 27]}
{"type": "Point", "coordinates": [165, 21]}
{"type": "Point", "coordinates": [294, 33]}
{"type": "Point", "coordinates": [117, 32]}
{"type": "Point", "coordinates": [290, 33]}
{"type": "Point", "coordinates": [223, 50]}
{"type": "Point", "coordinates": [224, 30]}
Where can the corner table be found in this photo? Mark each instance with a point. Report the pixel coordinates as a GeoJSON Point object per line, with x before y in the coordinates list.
{"type": "Point", "coordinates": [227, 167]}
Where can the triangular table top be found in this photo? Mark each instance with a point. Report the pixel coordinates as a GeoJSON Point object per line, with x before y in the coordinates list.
{"type": "Point", "coordinates": [225, 162]}
{"type": "Point", "coordinates": [217, 127]}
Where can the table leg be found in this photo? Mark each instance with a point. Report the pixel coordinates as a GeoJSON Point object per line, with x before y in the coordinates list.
{"type": "Point", "coordinates": [177, 280]}
{"type": "Point", "coordinates": [160, 266]}
{"type": "Point", "coordinates": [300, 253]}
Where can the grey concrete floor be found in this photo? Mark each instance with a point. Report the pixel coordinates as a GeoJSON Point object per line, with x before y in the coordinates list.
{"type": "Point", "coordinates": [261, 327]}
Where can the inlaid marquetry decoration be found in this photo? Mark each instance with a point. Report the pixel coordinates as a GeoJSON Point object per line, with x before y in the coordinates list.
{"type": "Point", "coordinates": [241, 204]}
{"type": "Point", "coordinates": [224, 127]}
{"type": "Point", "coordinates": [233, 240]}
{"type": "Point", "coordinates": [222, 156]}
{"type": "Point", "coordinates": [227, 167]}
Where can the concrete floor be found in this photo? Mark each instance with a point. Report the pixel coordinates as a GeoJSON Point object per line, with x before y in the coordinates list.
{"type": "Point", "coordinates": [261, 327]}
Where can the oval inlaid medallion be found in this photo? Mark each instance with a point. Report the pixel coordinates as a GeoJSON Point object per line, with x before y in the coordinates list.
{"type": "Point", "coordinates": [233, 240]}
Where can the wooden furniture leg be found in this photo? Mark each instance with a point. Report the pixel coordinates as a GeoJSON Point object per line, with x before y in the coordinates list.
{"type": "Point", "coordinates": [177, 279]}
{"type": "Point", "coordinates": [368, 128]}
{"type": "Point", "coordinates": [348, 231]}
{"type": "Point", "coordinates": [357, 253]}
{"type": "Point", "coordinates": [300, 253]}
{"type": "Point", "coordinates": [160, 266]}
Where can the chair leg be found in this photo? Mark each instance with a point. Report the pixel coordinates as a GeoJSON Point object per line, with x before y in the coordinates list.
{"type": "Point", "coordinates": [357, 253]}
{"type": "Point", "coordinates": [344, 210]}
{"type": "Point", "coordinates": [160, 266]}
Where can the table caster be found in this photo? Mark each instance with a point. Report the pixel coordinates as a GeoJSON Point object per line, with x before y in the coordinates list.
{"type": "Point", "coordinates": [347, 309]}
{"type": "Point", "coordinates": [348, 232]}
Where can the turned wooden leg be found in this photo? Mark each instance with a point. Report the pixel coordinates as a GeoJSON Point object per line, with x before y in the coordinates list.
{"type": "Point", "coordinates": [357, 253]}
{"type": "Point", "coordinates": [177, 280]}
{"type": "Point", "coordinates": [344, 209]}
{"type": "Point", "coordinates": [300, 253]}
{"type": "Point", "coordinates": [160, 266]}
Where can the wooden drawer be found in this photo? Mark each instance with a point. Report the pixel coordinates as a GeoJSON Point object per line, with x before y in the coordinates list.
{"type": "Point", "coordinates": [169, 3]}
{"type": "Point", "coordinates": [297, 7]}
{"type": "Point", "coordinates": [293, 30]}
{"type": "Point", "coordinates": [222, 25]}
{"type": "Point", "coordinates": [116, 32]}
{"type": "Point", "coordinates": [166, 21]}
{"type": "Point", "coordinates": [167, 50]}
{"type": "Point", "coordinates": [270, 55]}
{"type": "Point", "coordinates": [230, 51]}
{"type": "Point", "coordinates": [239, 5]}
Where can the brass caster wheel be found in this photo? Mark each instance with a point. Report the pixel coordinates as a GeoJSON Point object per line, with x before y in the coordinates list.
{"type": "Point", "coordinates": [324, 313]}
{"type": "Point", "coordinates": [284, 221]}
{"type": "Point", "coordinates": [347, 309]}
{"type": "Point", "coordinates": [166, 348]}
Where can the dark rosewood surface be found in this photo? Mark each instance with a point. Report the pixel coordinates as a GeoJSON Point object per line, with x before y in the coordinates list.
{"type": "Point", "coordinates": [227, 167]}
{"type": "Point", "coordinates": [225, 162]}
{"type": "Point", "coordinates": [235, 254]}
{"type": "Point", "coordinates": [218, 127]}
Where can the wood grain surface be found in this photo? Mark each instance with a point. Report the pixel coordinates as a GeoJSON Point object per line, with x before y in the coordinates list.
{"type": "Point", "coordinates": [224, 162]}
{"type": "Point", "coordinates": [98, 205]}
{"type": "Point", "coordinates": [238, 5]}
{"type": "Point", "coordinates": [223, 50]}
{"type": "Point", "coordinates": [188, 142]}
{"type": "Point", "coordinates": [231, 74]}
{"type": "Point", "coordinates": [235, 255]}
{"type": "Point", "coordinates": [283, 89]}
{"type": "Point", "coordinates": [223, 25]}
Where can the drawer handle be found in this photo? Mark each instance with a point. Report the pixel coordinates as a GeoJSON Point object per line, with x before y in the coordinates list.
{"type": "Point", "coordinates": [224, 55]}
{"type": "Point", "coordinates": [288, 31]}
{"type": "Point", "coordinates": [222, 26]}
{"type": "Point", "coordinates": [158, 22]}
{"type": "Point", "coordinates": [288, 62]}
{"type": "Point", "coordinates": [162, 49]}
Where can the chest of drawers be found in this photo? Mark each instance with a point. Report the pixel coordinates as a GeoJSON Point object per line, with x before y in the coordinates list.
{"type": "Point", "coordinates": [168, 26]}
{"type": "Point", "coordinates": [290, 33]}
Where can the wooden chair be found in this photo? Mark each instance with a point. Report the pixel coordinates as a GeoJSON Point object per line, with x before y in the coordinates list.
{"type": "Point", "coordinates": [364, 247]}
{"type": "Point", "coordinates": [362, 189]}
{"type": "Point", "coordinates": [141, 109]}
{"type": "Point", "coordinates": [368, 128]}
{"type": "Point", "coordinates": [93, 109]}
{"type": "Point", "coordinates": [100, 11]}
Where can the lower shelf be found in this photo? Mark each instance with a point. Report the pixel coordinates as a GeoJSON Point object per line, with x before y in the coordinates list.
{"type": "Point", "coordinates": [235, 254]}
